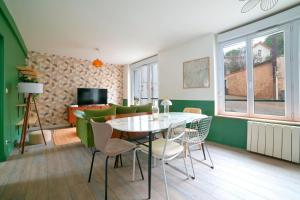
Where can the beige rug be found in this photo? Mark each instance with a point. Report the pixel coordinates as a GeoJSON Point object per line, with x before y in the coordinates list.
{"type": "Point", "coordinates": [65, 136]}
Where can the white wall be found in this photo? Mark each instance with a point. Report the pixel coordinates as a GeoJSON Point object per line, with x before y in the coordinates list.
{"type": "Point", "coordinates": [171, 69]}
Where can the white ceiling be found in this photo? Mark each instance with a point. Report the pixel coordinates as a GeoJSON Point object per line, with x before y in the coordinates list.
{"type": "Point", "coordinates": [124, 30]}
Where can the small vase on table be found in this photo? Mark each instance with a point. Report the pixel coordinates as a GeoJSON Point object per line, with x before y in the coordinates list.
{"type": "Point", "coordinates": [155, 110]}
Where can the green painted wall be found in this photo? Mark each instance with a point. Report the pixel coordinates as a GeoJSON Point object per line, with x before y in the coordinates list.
{"type": "Point", "coordinates": [228, 131]}
{"type": "Point", "coordinates": [13, 53]}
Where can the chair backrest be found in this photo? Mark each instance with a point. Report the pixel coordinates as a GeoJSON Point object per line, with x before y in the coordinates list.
{"type": "Point", "coordinates": [102, 133]}
{"type": "Point", "coordinates": [176, 131]}
{"type": "Point", "coordinates": [202, 127]}
{"type": "Point", "coordinates": [193, 110]}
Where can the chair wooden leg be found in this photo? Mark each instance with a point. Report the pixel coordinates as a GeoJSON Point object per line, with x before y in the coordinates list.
{"type": "Point", "coordinates": [116, 162]}
{"type": "Point", "coordinates": [121, 161]}
{"type": "Point", "coordinates": [92, 164]}
{"type": "Point", "coordinates": [200, 146]}
{"type": "Point", "coordinates": [185, 149]}
{"type": "Point", "coordinates": [154, 162]}
{"type": "Point", "coordinates": [106, 177]}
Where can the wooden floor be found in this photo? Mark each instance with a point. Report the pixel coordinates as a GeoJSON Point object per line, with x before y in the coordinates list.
{"type": "Point", "coordinates": [61, 172]}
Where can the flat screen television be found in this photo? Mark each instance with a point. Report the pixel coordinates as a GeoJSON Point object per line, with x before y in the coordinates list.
{"type": "Point", "coordinates": [89, 96]}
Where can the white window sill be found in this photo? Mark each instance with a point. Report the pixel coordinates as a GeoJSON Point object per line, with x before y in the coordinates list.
{"type": "Point", "coordinates": [261, 120]}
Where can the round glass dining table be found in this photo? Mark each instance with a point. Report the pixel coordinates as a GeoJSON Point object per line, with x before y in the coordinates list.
{"type": "Point", "coordinates": [146, 123]}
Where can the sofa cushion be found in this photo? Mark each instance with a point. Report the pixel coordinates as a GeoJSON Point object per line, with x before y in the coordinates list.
{"type": "Point", "coordinates": [100, 112]}
{"type": "Point", "coordinates": [99, 119]}
{"type": "Point", "coordinates": [124, 109]}
{"type": "Point", "coordinates": [143, 108]}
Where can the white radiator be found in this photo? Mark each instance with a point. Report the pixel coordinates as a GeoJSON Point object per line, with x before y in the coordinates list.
{"type": "Point", "coordinates": [280, 141]}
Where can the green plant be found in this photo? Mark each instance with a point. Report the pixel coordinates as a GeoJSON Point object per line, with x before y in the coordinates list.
{"type": "Point", "coordinates": [27, 79]}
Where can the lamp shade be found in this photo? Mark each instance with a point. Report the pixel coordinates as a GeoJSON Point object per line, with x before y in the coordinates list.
{"type": "Point", "coordinates": [97, 63]}
{"type": "Point", "coordinates": [33, 88]}
{"type": "Point", "coordinates": [166, 102]}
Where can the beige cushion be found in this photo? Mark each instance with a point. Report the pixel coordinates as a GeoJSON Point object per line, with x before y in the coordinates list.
{"type": "Point", "coordinates": [192, 136]}
{"type": "Point", "coordinates": [172, 148]}
{"type": "Point", "coordinates": [36, 137]}
{"type": "Point", "coordinates": [116, 146]}
{"type": "Point", "coordinates": [189, 130]}
{"type": "Point", "coordinates": [192, 110]}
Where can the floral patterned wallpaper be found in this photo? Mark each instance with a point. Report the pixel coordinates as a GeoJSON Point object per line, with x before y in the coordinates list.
{"type": "Point", "coordinates": [63, 75]}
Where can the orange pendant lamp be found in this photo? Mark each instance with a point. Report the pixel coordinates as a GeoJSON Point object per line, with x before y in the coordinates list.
{"type": "Point", "coordinates": [97, 62]}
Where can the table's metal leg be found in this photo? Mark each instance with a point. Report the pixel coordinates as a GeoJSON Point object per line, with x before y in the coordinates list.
{"type": "Point", "coordinates": [149, 164]}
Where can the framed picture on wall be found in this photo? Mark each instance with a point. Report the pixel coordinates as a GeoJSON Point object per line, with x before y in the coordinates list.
{"type": "Point", "coordinates": [196, 73]}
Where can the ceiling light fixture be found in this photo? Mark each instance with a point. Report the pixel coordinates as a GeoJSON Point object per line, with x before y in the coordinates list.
{"type": "Point", "coordinates": [97, 62]}
{"type": "Point", "coordinates": [264, 5]}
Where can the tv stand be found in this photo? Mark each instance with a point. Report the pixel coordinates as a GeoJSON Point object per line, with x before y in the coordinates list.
{"type": "Point", "coordinates": [73, 108]}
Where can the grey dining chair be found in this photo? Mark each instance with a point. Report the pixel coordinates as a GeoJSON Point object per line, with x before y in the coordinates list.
{"type": "Point", "coordinates": [110, 147]}
{"type": "Point", "coordinates": [196, 135]}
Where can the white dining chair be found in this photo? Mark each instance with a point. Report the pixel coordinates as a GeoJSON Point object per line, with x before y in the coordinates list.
{"type": "Point", "coordinates": [194, 111]}
{"type": "Point", "coordinates": [110, 147]}
{"type": "Point", "coordinates": [166, 149]}
{"type": "Point", "coordinates": [196, 135]}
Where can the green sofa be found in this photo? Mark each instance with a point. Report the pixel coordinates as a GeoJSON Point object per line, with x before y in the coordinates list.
{"type": "Point", "coordinates": [83, 126]}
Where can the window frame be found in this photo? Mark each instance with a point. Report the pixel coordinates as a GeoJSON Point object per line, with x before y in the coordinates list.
{"type": "Point", "coordinates": [221, 77]}
{"type": "Point", "coordinates": [295, 60]}
{"type": "Point", "coordinates": [149, 62]}
{"type": "Point", "coordinates": [286, 31]}
{"type": "Point", "coordinates": [291, 95]}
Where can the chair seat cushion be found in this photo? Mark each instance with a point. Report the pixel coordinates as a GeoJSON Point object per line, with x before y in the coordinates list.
{"type": "Point", "coordinates": [116, 146]}
{"type": "Point", "coordinates": [192, 136]}
{"type": "Point", "coordinates": [172, 148]}
{"type": "Point", "coordinates": [189, 130]}
{"type": "Point", "coordinates": [124, 109]}
{"type": "Point", "coordinates": [99, 112]}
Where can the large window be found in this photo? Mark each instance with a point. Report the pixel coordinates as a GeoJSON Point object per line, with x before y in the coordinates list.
{"type": "Point", "coordinates": [144, 82]}
{"type": "Point", "coordinates": [256, 74]}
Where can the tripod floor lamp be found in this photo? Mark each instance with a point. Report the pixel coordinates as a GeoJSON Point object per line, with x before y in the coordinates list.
{"type": "Point", "coordinates": [29, 89]}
